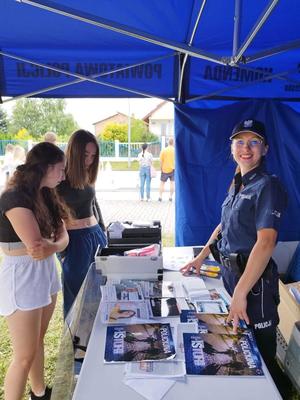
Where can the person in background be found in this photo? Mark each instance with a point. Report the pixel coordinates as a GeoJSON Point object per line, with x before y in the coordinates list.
{"type": "Point", "coordinates": [8, 164]}
{"type": "Point", "coordinates": [31, 232]}
{"type": "Point", "coordinates": [50, 137]}
{"type": "Point", "coordinates": [244, 241]}
{"type": "Point", "coordinates": [167, 163]}
{"type": "Point", "coordinates": [19, 155]}
{"type": "Point", "coordinates": [78, 192]}
{"type": "Point", "coordinates": [145, 159]}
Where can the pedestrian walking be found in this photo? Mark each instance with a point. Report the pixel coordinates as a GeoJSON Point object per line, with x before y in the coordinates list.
{"type": "Point", "coordinates": [167, 163]}
{"type": "Point", "coordinates": [145, 159]}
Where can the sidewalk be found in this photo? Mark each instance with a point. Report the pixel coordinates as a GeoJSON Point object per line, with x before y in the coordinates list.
{"type": "Point", "coordinates": [114, 180]}
{"type": "Point", "coordinates": [118, 196]}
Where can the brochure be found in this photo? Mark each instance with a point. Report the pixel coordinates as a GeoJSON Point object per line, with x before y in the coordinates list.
{"type": "Point", "coordinates": [210, 306]}
{"type": "Point", "coordinates": [167, 307]}
{"type": "Point", "coordinates": [139, 342]}
{"type": "Point", "coordinates": [125, 291]}
{"type": "Point", "coordinates": [211, 294]}
{"type": "Point", "coordinates": [179, 330]}
{"type": "Point", "coordinates": [125, 311]}
{"type": "Point", "coordinates": [129, 300]}
{"type": "Point", "coordinates": [214, 354]}
{"type": "Point", "coordinates": [194, 286]}
{"type": "Point", "coordinates": [176, 257]}
{"type": "Point", "coordinates": [211, 323]}
{"type": "Point", "coordinates": [155, 369]}
{"type": "Point", "coordinates": [220, 294]}
{"type": "Point", "coordinates": [157, 288]}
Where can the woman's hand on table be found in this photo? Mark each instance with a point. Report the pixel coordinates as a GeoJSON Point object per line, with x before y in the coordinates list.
{"type": "Point", "coordinates": [238, 310]}
{"type": "Point", "coordinates": [193, 267]}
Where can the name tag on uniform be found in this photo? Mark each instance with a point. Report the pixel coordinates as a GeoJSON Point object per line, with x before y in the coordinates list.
{"type": "Point", "coordinates": [246, 196]}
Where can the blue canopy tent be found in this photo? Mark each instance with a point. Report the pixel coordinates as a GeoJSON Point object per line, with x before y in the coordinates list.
{"type": "Point", "coordinates": [216, 60]}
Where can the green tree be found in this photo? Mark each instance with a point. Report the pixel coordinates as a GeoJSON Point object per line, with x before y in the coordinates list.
{"type": "Point", "coordinates": [38, 116]}
{"type": "Point", "coordinates": [139, 132]}
{"type": "Point", "coordinates": [115, 131]}
{"type": "Point", "coordinates": [3, 121]}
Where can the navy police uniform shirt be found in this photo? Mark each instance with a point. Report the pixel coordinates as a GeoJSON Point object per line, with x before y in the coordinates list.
{"type": "Point", "coordinates": [259, 204]}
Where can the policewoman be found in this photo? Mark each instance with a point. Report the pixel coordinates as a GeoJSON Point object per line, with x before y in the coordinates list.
{"type": "Point", "coordinates": [244, 241]}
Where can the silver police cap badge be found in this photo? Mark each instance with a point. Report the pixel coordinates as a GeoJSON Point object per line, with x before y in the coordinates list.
{"type": "Point", "coordinates": [248, 123]}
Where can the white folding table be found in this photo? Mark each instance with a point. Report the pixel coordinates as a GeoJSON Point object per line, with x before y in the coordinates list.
{"type": "Point", "coordinates": [98, 380]}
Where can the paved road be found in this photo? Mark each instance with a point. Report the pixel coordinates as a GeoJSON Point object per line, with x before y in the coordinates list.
{"type": "Point", "coordinates": [118, 196]}
{"type": "Point", "coordinates": [125, 206]}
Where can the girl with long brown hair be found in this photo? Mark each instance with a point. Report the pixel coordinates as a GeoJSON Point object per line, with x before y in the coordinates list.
{"type": "Point", "coordinates": [31, 232]}
{"type": "Point", "coordinates": [78, 192]}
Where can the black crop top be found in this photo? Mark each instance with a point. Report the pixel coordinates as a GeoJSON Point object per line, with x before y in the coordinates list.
{"type": "Point", "coordinates": [78, 200]}
{"type": "Point", "coordinates": [8, 200]}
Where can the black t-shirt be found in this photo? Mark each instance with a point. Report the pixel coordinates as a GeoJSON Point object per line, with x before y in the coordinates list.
{"type": "Point", "coordinates": [8, 200]}
{"type": "Point", "coordinates": [78, 200]}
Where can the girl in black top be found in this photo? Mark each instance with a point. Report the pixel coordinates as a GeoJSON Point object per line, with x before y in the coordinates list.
{"type": "Point", "coordinates": [31, 231]}
{"type": "Point", "coordinates": [78, 191]}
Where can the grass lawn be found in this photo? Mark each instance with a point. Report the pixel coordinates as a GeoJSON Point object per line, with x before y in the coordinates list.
{"type": "Point", "coordinates": [51, 346]}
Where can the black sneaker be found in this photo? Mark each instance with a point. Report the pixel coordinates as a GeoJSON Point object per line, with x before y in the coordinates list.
{"type": "Point", "coordinates": [46, 396]}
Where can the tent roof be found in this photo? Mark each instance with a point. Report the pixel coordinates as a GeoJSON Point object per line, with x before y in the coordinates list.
{"type": "Point", "coordinates": [171, 49]}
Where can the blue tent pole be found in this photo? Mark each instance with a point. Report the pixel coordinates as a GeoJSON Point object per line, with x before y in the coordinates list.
{"type": "Point", "coordinates": [254, 31]}
{"type": "Point", "coordinates": [124, 30]}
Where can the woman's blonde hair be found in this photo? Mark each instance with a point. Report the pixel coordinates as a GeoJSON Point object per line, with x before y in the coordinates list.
{"type": "Point", "coordinates": [76, 173]}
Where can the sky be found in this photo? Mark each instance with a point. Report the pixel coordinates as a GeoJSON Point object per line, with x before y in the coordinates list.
{"type": "Point", "coordinates": [88, 111]}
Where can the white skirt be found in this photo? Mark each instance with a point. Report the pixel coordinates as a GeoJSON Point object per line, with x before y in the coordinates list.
{"type": "Point", "coordinates": [27, 284]}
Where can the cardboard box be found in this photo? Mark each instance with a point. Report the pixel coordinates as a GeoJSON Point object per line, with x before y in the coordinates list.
{"type": "Point", "coordinates": [289, 310]}
{"type": "Point", "coordinates": [292, 358]}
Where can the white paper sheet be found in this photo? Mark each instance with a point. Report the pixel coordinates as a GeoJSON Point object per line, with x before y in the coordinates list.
{"type": "Point", "coordinates": [150, 389]}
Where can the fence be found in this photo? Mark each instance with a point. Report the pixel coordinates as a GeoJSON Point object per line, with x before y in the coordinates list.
{"type": "Point", "coordinates": [108, 150]}
{"type": "Point", "coordinates": [24, 143]}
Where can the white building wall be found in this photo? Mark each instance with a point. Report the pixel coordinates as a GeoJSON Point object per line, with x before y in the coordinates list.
{"type": "Point", "coordinates": [161, 122]}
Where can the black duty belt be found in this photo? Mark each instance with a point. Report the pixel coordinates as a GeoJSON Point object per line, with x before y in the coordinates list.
{"type": "Point", "coordinates": [236, 262]}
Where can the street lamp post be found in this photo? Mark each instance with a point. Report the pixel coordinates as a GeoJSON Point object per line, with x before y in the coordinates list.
{"type": "Point", "coordinates": [129, 135]}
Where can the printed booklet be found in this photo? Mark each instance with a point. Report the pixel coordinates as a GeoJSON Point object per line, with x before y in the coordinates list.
{"type": "Point", "coordinates": [155, 369]}
{"type": "Point", "coordinates": [216, 354]}
{"type": "Point", "coordinates": [194, 286]}
{"type": "Point", "coordinates": [210, 306]}
{"type": "Point", "coordinates": [125, 311]}
{"type": "Point", "coordinates": [171, 307]}
{"type": "Point", "coordinates": [211, 323]}
{"type": "Point", "coordinates": [157, 288]}
{"type": "Point", "coordinates": [131, 301]}
{"type": "Point", "coordinates": [211, 294]}
{"type": "Point", "coordinates": [121, 291]}
{"type": "Point", "coordinates": [139, 342]}
{"type": "Point", "coordinates": [135, 289]}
